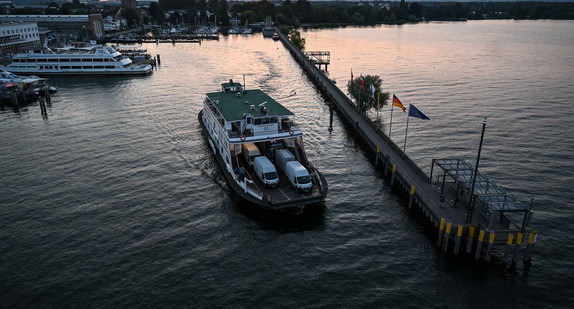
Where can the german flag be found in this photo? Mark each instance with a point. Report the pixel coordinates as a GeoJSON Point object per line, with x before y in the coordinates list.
{"type": "Point", "coordinates": [397, 103]}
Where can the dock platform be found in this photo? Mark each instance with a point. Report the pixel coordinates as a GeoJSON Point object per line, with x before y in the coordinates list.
{"type": "Point", "coordinates": [493, 218]}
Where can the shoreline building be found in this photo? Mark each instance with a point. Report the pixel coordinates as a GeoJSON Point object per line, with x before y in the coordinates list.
{"type": "Point", "coordinates": [83, 25]}
{"type": "Point", "coordinates": [129, 3]}
{"type": "Point", "coordinates": [18, 36]}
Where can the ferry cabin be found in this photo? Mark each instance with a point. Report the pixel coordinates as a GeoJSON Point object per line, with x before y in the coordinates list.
{"type": "Point", "coordinates": [236, 116]}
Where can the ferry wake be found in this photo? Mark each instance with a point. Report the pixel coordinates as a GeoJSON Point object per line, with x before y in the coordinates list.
{"type": "Point", "coordinates": [260, 150]}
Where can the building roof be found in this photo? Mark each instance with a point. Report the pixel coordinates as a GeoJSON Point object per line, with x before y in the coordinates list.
{"type": "Point", "coordinates": [234, 106]}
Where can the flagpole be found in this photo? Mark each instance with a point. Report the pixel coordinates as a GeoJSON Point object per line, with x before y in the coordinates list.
{"type": "Point", "coordinates": [391, 124]}
{"type": "Point", "coordinates": [406, 131]}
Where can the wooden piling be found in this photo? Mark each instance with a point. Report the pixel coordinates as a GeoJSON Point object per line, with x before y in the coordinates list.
{"type": "Point", "coordinates": [517, 247]}
{"type": "Point", "coordinates": [470, 238]}
{"type": "Point", "coordinates": [158, 59]}
{"type": "Point", "coordinates": [393, 174]}
{"type": "Point", "coordinates": [507, 250]}
{"type": "Point", "coordinates": [411, 196]}
{"type": "Point", "coordinates": [446, 236]}
{"type": "Point", "coordinates": [489, 247]}
{"type": "Point", "coordinates": [441, 232]}
{"type": "Point", "coordinates": [457, 239]}
{"type": "Point", "coordinates": [479, 245]}
{"type": "Point", "coordinates": [530, 246]}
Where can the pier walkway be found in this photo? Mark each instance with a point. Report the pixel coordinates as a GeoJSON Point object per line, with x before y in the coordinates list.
{"type": "Point", "coordinates": [448, 214]}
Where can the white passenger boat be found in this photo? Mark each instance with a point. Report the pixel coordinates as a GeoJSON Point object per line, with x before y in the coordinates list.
{"type": "Point", "coordinates": [102, 60]}
{"type": "Point", "coordinates": [260, 151]}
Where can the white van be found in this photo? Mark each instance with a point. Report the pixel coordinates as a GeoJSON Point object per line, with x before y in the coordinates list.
{"type": "Point", "coordinates": [266, 171]}
{"type": "Point", "coordinates": [249, 151]}
{"type": "Point", "coordinates": [282, 156]}
{"type": "Point", "coordinates": [298, 175]}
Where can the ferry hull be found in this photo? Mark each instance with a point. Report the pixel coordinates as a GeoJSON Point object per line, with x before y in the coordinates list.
{"type": "Point", "coordinates": [301, 207]}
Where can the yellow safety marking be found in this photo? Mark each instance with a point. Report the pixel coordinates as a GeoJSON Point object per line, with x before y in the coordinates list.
{"type": "Point", "coordinates": [412, 189]}
{"type": "Point", "coordinates": [491, 237]}
{"type": "Point", "coordinates": [459, 232]}
{"type": "Point", "coordinates": [471, 231]}
{"type": "Point", "coordinates": [481, 235]}
{"type": "Point", "coordinates": [394, 167]}
{"type": "Point", "coordinates": [448, 226]}
{"type": "Point", "coordinates": [519, 238]}
{"type": "Point", "coordinates": [378, 148]}
{"type": "Point", "coordinates": [442, 221]}
{"type": "Point", "coordinates": [510, 238]}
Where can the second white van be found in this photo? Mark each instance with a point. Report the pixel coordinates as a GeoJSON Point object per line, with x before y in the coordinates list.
{"type": "Point", "coordinates": [298, 175]}
{"type": "Point", "coordinates": [266, 171]}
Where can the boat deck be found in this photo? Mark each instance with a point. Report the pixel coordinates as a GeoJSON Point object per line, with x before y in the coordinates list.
{"type": "Point", "coordinates": [284, 192]}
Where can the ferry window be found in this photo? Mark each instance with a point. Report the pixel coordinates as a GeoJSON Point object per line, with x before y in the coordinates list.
{"type": "Point", "coordinates": [65, 67]}
{"type": "Point", "coordinates": [258, 121]}
{"type": "Point", "coordinates": [109, 67]}
{"type": "Point", "coordinates": [273, 120]}
{"type": "Point", "coordinates": [249, 120]}
{"type": "Point", "coordinates": [42, 60]}
{"type": "Point", "coordinates": [75, 67]}
{"type": "Point", "coordinates": [265, 120]}
{"type": "Point", "coordinates": [86, 60]}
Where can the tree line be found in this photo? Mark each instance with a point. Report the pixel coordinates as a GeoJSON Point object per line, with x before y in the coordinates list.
{"type": "Point", "coordinates": [295, 13]}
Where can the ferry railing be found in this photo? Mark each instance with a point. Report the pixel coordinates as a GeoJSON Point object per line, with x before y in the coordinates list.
{"type": "Point", "coordinates": [246, 184]}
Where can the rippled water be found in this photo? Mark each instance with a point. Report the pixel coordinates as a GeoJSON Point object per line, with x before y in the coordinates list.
{"type": "Point", "coordinates": [115, 200]}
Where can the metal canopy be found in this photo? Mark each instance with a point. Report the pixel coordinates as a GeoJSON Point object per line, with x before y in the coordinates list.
{"type": "Point", "coordinates": [494, 197]}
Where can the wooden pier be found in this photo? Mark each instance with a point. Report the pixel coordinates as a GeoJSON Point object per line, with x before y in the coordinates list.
{"type": "Point", "coordinates": [319, 58]}
{"type": "Point", "coordinates": [488, 216]}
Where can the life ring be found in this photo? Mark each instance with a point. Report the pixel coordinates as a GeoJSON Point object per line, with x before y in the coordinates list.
{"type": "Point", "coordinates": [291, 132]}
{"type": "Point", "coordinates": [242, 138]}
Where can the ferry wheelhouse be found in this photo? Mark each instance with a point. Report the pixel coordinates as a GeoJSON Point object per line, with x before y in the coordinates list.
{"type": "Point", "coordinates": [250, 133]}
{"type": "Point", "coordinates": [103, 60]}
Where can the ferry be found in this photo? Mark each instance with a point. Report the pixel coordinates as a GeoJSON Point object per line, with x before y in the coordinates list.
{"type": "Point", "coordinates": [260, 150]}
{"type": "Point", "coordinates": [102, 60]}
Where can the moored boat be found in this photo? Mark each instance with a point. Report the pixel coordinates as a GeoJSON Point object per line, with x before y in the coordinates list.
{"type": "Point", "coordinates": [102, 60]}
{"type": "Point", "coordinates": [260, 151]}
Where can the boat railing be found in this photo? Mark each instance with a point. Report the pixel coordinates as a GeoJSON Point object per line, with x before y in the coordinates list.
{"type": "Point", "coordinates": [247, 185]}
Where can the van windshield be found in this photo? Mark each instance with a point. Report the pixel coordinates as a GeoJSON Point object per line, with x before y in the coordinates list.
{"type": "Point", "coordinates": [303, 179]}
{"type": "Point", "coordinates": [271, 175]}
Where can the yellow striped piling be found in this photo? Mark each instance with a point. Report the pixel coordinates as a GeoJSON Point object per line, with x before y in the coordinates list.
{"type": "Point", "coordinates": [470, 238]}
{"type": "Point", "coordinates": [489, 247]}
{"type": "Point", "coordinates": [507, 250]}
{"type": "Point", "coordinates": [440, 232]}
{"type": "Point", "coordinates": [457, 239]}
{"type": "Point", "coordinates": [393, 174]}
{"type": "Point", "coordinates": [411, 196]}
{"type": "Point", "coordinates": [479, 245]}
{"type": "Point", "coordinates": [530, 246]}
{"type": "Point", "coordinates": [446, 236]}
{"type": "Point", "coordinates": [517, 247]}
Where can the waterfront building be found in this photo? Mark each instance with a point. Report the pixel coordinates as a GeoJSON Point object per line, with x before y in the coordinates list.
{"type": "Point", "coordinates": [129, 3]}
{"type": "Point", "coordinates": [82, 25]}
{"type": "Point", "coordinates": [17, 37]}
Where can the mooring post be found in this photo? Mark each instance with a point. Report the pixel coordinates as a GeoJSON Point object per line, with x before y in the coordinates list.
{"type": "Point", "coordinates": [517, 247]}
{"type": "Point", "coordinates": [530, 246]}
{"type": "Point", "coordinates": [42, 106]}
{"type": "Point", "coordinates": [393, 174]}
{"type": "Point", "coordinates": [470, 239]}
{"type": "Point", "coordinates": [446, 236]}
{"type": "Point", "coordinates": [14, 99]}
{"type": "Point", "coordinates": [411, 196]}
{"type": "Point", "coordinates": [457, 239]}
{"type": "Point", "coordinates": [158, 59]}
{"type": "Point", "coordinates": [507, 250]}
{"type": "Point", "coordinates": [47, 95]}
{"type": "Point", "coordinates": [489, 247]}
{"type": "Point", "coordinates": [331, 117]}
{"type": "Point", "coordinates": [479, 245]}
{"type": "Point", "coordinates": [440, 232]}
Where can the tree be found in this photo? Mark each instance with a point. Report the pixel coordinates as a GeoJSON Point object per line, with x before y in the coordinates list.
{"type": "Point", "coordinates": [364, 98]}
{"type": "Point", "coordinates": [131, 16]}
{"type": "Point", "coordinates": [296, 39]}
{"type": "Point", "coordinates": [155, 12]}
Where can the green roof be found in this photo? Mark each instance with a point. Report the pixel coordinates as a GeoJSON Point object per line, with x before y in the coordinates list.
{"type": "Point", "coordinates": [232, 107]}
